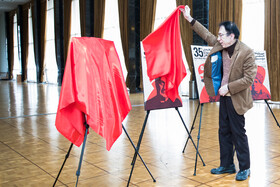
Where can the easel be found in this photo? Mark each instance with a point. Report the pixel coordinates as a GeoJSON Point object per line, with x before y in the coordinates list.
{"type": "Point", "coordinates": [272, 113]}
{"type": "Point", "coordinates": [198, 135]}
{"type": "Point", "coordinates": [140, 140]}
{"type": "Point", "coordinates": [81, 157]}
{"type": "Point", "coordinates": [82, 154]}
{"type": "Point", "coordinates": [115, 85]}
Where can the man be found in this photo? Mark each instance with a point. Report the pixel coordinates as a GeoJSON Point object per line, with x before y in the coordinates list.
{"type": "Point", "coordinates": [238, 73]}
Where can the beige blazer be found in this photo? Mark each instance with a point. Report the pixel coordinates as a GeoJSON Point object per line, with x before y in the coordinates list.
{"type": "Point", "coordinates": [242, 71]}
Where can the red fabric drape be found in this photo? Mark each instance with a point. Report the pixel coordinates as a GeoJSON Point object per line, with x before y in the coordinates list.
{"type": "Point", "coordinates": [93, 86]}
{"type": "Point", "coordinates": [164, 54]}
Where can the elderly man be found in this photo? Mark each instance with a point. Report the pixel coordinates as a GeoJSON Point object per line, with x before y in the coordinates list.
{"type": "Point", "coordinates": [238, 73]}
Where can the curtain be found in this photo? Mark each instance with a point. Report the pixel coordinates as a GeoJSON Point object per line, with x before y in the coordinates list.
{"type": "Point", "coordinates": [187, 35]}
{"type": "Point", "coordinates": [272, 45]}
{"type": "Point", "coordinates": [24, 40]}
{"type": "Point", "coordinates": [147, 19]}
{"type": "Point", "coordinates": [99, 16]}
{"type": "Point", "coordinates": [123, 19]}
{"type": "Point", "coordinates": [39, 24]}
{"type": "Point", "coordinates": [86, 18]}
{"type": "Point", "coordinates": [221, 10]}
{"type": "Point", "coordinates": [97, 24]}
{"type": "Point", "coordinates": [67, 26]}
{"type": "Point", "coordinates": [10, 39]}
{"type": "Point", "coordinates": [82, 17]}
{"type": "Point", "coordinates": [62, 22]}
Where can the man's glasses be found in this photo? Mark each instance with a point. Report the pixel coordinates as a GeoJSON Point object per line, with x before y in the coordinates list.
{"type": "Point", "coordinates": [221, 34]}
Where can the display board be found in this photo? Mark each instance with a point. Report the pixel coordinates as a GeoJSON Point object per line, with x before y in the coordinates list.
{"type": "Point", "coordinates": [260, 88]}
{"type": "Point", "coordinates": [154, 91]}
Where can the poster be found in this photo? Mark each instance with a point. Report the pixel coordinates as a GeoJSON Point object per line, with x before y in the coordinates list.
{"type": "Point", "coordinates": [260, 89]}
{"type": "Point", "coordinates": [154, 91]}
{"type": "Point", "coordinates": [199, 54]}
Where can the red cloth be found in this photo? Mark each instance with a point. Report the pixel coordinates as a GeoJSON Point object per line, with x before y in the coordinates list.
{"type": "Point", "coordinates": [164, 54]}
{"type": "Point", "coordinates": [93, 85]}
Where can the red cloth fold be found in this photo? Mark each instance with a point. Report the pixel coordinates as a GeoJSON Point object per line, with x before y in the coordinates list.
{"type": "Point", "coordinates": [164, 54]}
{"type": "Point", "coordinates": [93, 86]}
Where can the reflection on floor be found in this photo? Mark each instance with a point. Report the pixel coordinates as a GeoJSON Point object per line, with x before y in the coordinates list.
{"type": "Point", "coordinates": [32, 150]}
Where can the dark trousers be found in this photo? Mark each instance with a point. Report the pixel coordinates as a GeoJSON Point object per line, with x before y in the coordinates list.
{"type": "Point", "coordinates": [232, 134]}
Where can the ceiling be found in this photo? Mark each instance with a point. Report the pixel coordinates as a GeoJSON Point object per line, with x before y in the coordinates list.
{"type": "Point", "coordinates": [8, 5]}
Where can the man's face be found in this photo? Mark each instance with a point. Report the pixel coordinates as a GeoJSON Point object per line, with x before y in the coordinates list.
{"type": "Point", "coordinates": [224, 38]}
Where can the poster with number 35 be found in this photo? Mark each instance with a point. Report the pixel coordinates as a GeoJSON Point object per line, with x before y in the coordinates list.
{"type": "Point", "coordinates": [260, 89]}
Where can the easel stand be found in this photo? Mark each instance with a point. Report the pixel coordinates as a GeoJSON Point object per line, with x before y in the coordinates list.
{"type": "Point", "coordinates": [81, 158]}
{"type": "Point", "coordinates": [66, 156]}
{"type": "Point", "coordinates": [140, 140]}
{"type": "Point", "coordinates": [198, 135]}
{"type": "Point", "coordinates": [136, 151]}
{"type": "Point", "coordinates": [272, 113]}
{"type": "Point", "coordinates": [82, 153]}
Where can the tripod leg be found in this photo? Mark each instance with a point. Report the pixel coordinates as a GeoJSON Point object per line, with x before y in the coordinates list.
{"type": "Point", "coordinates": [138, 146]}
{"type": "Point", "coordinates": [141, 136]}
{"type": "Point", "coordinates": [272, 113]}
{"type": "Point", "coordinates": [190, 135]}
{"type": "Point", "coordinates": [66, 156]}
{"type": "Point", "coordinates": [191, 127]}
{"type": "Point", "coordinates": [82, 154]}
{"type": "Point", "coordinates": [138, 153]}
{"type": "Point", "coordinates": [198, 137]}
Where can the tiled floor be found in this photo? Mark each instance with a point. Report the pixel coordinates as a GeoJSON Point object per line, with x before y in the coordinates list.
{"type": "Point", "coordinates": [32, 150]}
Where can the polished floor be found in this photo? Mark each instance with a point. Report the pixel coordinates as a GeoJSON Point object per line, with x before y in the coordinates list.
{"type": "Point", "coordinates": [32, 151]}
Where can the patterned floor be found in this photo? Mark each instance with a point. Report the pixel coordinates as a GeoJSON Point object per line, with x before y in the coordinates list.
{"type": "Point", "coordinates": [32, 150]}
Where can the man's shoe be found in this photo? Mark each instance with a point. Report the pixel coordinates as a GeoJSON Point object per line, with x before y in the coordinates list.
{"type": "Point", "coordinates": [242, 175]}
{"type": "Point", "coordinates": [222, 170]}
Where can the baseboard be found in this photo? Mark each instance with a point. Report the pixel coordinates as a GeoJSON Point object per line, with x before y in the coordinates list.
{"type": "Point", "coordinates": [4, 75]}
